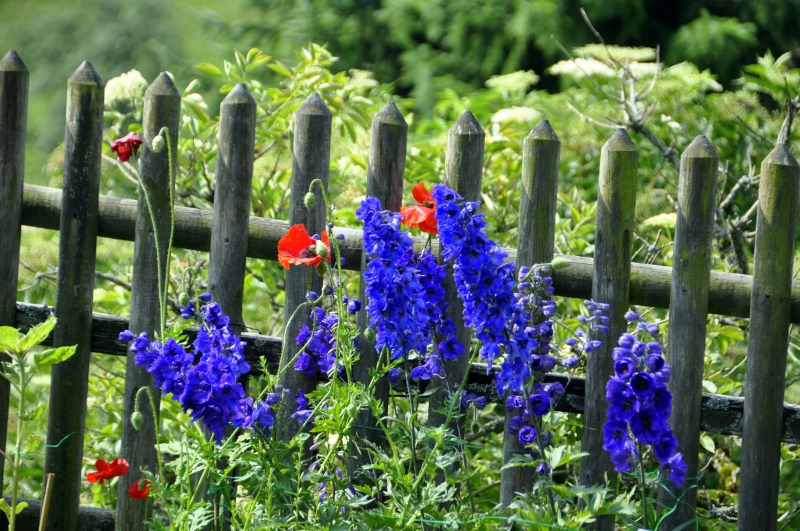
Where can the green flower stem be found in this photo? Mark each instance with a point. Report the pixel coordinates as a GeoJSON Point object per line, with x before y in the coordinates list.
{"type": "Point", "coordinates": [643, 488]}
{"type": "Point", "coordinates": [17, 450]}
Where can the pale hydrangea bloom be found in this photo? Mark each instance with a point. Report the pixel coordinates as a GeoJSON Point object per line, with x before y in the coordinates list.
{"type": "Point", "coordinates": [515, 114]}
{"type": "Point", "coordinates": [124, 89]}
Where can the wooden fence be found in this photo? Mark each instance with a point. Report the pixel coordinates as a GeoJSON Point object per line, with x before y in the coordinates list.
{"type": "Point", "coordinates": [689, 289]}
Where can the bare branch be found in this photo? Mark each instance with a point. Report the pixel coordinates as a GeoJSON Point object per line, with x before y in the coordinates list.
{"type": "Point", "coordinates": [590, 78]}
{"type": "Point", "coordinates": [121, 167]}
{"type": "Point", "coordinates": [605, 46]}
{"type": "Point", "coordinates": [113, 279]}
{"type": "Point", "coordinates": [590, 119]}
{"type": "Point", "coordinates": [649, 89]}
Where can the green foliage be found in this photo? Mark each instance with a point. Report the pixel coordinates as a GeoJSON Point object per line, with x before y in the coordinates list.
{"type": "Point", "coordinates": [713, 42]}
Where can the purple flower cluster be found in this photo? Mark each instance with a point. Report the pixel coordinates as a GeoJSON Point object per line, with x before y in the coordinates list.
{"type": "Point", "coordinates": [640, 405]}
{"type": "Point", "coordinates": [404, 291]}
{"type": "Point", "coordinates": [209, 388]}
{"type": "Point", "coordinates": [508, 318]}
{"type": "Point", "coordinates": [319, 353]}
{"type": "Point", "coordinates": [540, 402]}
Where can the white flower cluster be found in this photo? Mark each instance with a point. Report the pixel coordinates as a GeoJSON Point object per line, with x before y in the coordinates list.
{"type": "Point", "coordinates": [124, 89]}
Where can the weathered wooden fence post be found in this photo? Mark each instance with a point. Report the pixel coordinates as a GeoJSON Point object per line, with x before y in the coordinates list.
{"type": "Point", "coordinates": [612, 270]}
{"type": "Point", "coordinates": [312, 153]}
{"type": "Point", "coordinates": [537, 222]}
{"type": "Point", "coordinates": [768, 340]}
{"type": "Point", "coordinates": [387, 156]}
{"type": "Point", "coordinates": [688, 313]}
{"type": "Point", "coordinates": [234, 184]}
{"type": "Point", "coordinates": [162, 108]}
{"type": "Point", "coordinates": [13, 128]}
{"type": "Point", "coordinates": [463, 173]}
{"type": "Point", "coordinates": [83, 148]}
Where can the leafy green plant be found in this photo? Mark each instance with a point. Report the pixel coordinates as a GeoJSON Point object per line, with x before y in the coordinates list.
{"type": "Point", "coordinates": [20, 367]}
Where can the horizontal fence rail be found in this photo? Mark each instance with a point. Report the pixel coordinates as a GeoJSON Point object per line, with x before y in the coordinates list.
{"type": "Point", "coordinates": [729, 293]}
{"type": "Point", "coordinates": [721, 414]}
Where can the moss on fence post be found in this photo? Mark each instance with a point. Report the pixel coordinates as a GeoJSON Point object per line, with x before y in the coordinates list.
{"type": "Point", "coordinates": [69, 388]}
{"type": "Point", "coordinates": [688, 314]}
{"type": "Point", "coordinates": [768, 340]}
{"type": "Point", "coordinates": [537, 221]}
{"type": "Point", "coordinates": [616, 203]}
{"type": "Point", "coordinates": [14, 78]}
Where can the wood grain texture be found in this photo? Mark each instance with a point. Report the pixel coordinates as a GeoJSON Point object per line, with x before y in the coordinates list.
{"type": "Point", "coordinates": [463, 173]}
{"type": "Point", "coordinates": [234, 184]}
{"type": "Point", "coordinates": [768, 340]}
{"type": "Point", "coordinates": [228, 256]}
{"type": "Point", "coordinates": [387, 157]}
{"type": "Point", "coordinates": [312, 148]}
{"type": "Point", "coordinates": [537, 220]}
{"type": "Point", "coordinates": [650, 285]}
{"type": "Point", "coordinates": [14, 79]}
{"type": "Point", "coordinates": [688, 314]}
{"type": "Point", "coordinates": [612, 265]}
{"type": "Point", "coordinates": [69, 388]}
{"type": "Point", "coordinates": [162, 108]}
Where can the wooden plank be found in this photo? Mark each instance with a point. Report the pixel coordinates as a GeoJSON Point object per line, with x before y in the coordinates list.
{"type": "Point", "coordinates": [612, 265]}
{"type": "Point", "coordinates": [162, 108]}
{"type": "Point", "coordinates": [312, 152]}
{"type": "Point", "coordinates": [228, 257]}
{"type": "Point", "coordinates": [768, 340]}
{"type": "Point", "coordinates": [14, 78]}
{"type": "Point", "coordinates": [537, 222]}
{"type": "Point", "coordinates": [234, 183]}
{"type": "Point", "coordinates": [688, 315]}
{"type": "Point", "coordinates": [385, 181]}
{"type": "Point", "coordinates": [69, 388]}
{"type": "Point", "coordinates": [463, 173]}
{"type": "Point", "coordinates": [721, 414]}
{"type": "Point", "coordinates": [650, 285]}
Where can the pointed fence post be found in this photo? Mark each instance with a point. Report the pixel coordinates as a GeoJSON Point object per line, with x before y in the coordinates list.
{"type": "Point", "coordinates": [234, 184]}
{"type": "Point", "coordinates": [229, 230]}
{"type": "Point", "coordinates": [769, 339]}
{"type": "Point", "coordinates": [688, 314]}
{"type": "Point", "coordinates": [14, 78]}
{"type": "Point", "coordinates": [162, 108]}
{"type": "Point", "coordinates": [83, 148]}
{"type": "Point", "coordinates": [537, 222]}
{"type": "Point", "coordinates": [463, 173]}
{"type": "Point", "coordinates": [616, 203]}
{"type": "Point", "coordinates": [312, 153]}
{"type": "Point", "coordinates": [387, 157]}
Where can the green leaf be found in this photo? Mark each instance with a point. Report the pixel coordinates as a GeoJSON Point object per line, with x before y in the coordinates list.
{"type": "Point", "coordinates": [4, 506]}
{"type": "Point", "coordinates": [208, 68]}
{"type": "Point", "coordinates": [37, 334]}
{"type": "Point", "coordinates": [708, 443]}
{"type": "Point", "coordinates": [8, 338]}
{"type": "Point", "coordinates": [280, 68]}
{"type": "Point", "coordinates": [32, 414]}
{"type": "Point", "coordinates": [20, 507]}
{"type": "Point", "coordinates": [54, 355]}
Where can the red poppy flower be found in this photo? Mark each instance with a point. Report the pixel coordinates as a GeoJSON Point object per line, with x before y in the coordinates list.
{"type": "Point", "coordinates": [422, 215]}
{"type": "Point", "coordinates": [126, 146]}
{"type": "Point", "coordinates": [117, 467]}
{"type": "Point", "coordinates": [140, 489]}
{"type": "Point", "coordinates": [298, 248]}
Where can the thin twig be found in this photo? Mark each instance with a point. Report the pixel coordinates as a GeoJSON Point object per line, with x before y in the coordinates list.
{"type": "Point", "coordinates": [121, 167]}
{"type": "Point", "coordinates": [590, 78]}
{"type": "Point", "coordinates": [113, 279]}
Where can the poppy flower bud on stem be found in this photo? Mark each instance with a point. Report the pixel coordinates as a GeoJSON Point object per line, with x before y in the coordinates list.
{"type": "Point", "coordinates": [136, 420]}
{"type": "Point", "coordinates": [310, 200]}
{"type": "Point", "coordinates": [183, 299]}
{"type": "Point", "coordinates": [560, 263]}
{"type": "Point", "coordinates": [322, 268]}
{"type": "Point", "coordinates": [322, 249]}
{"type": "Point", "coordinates": [158, 144]}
